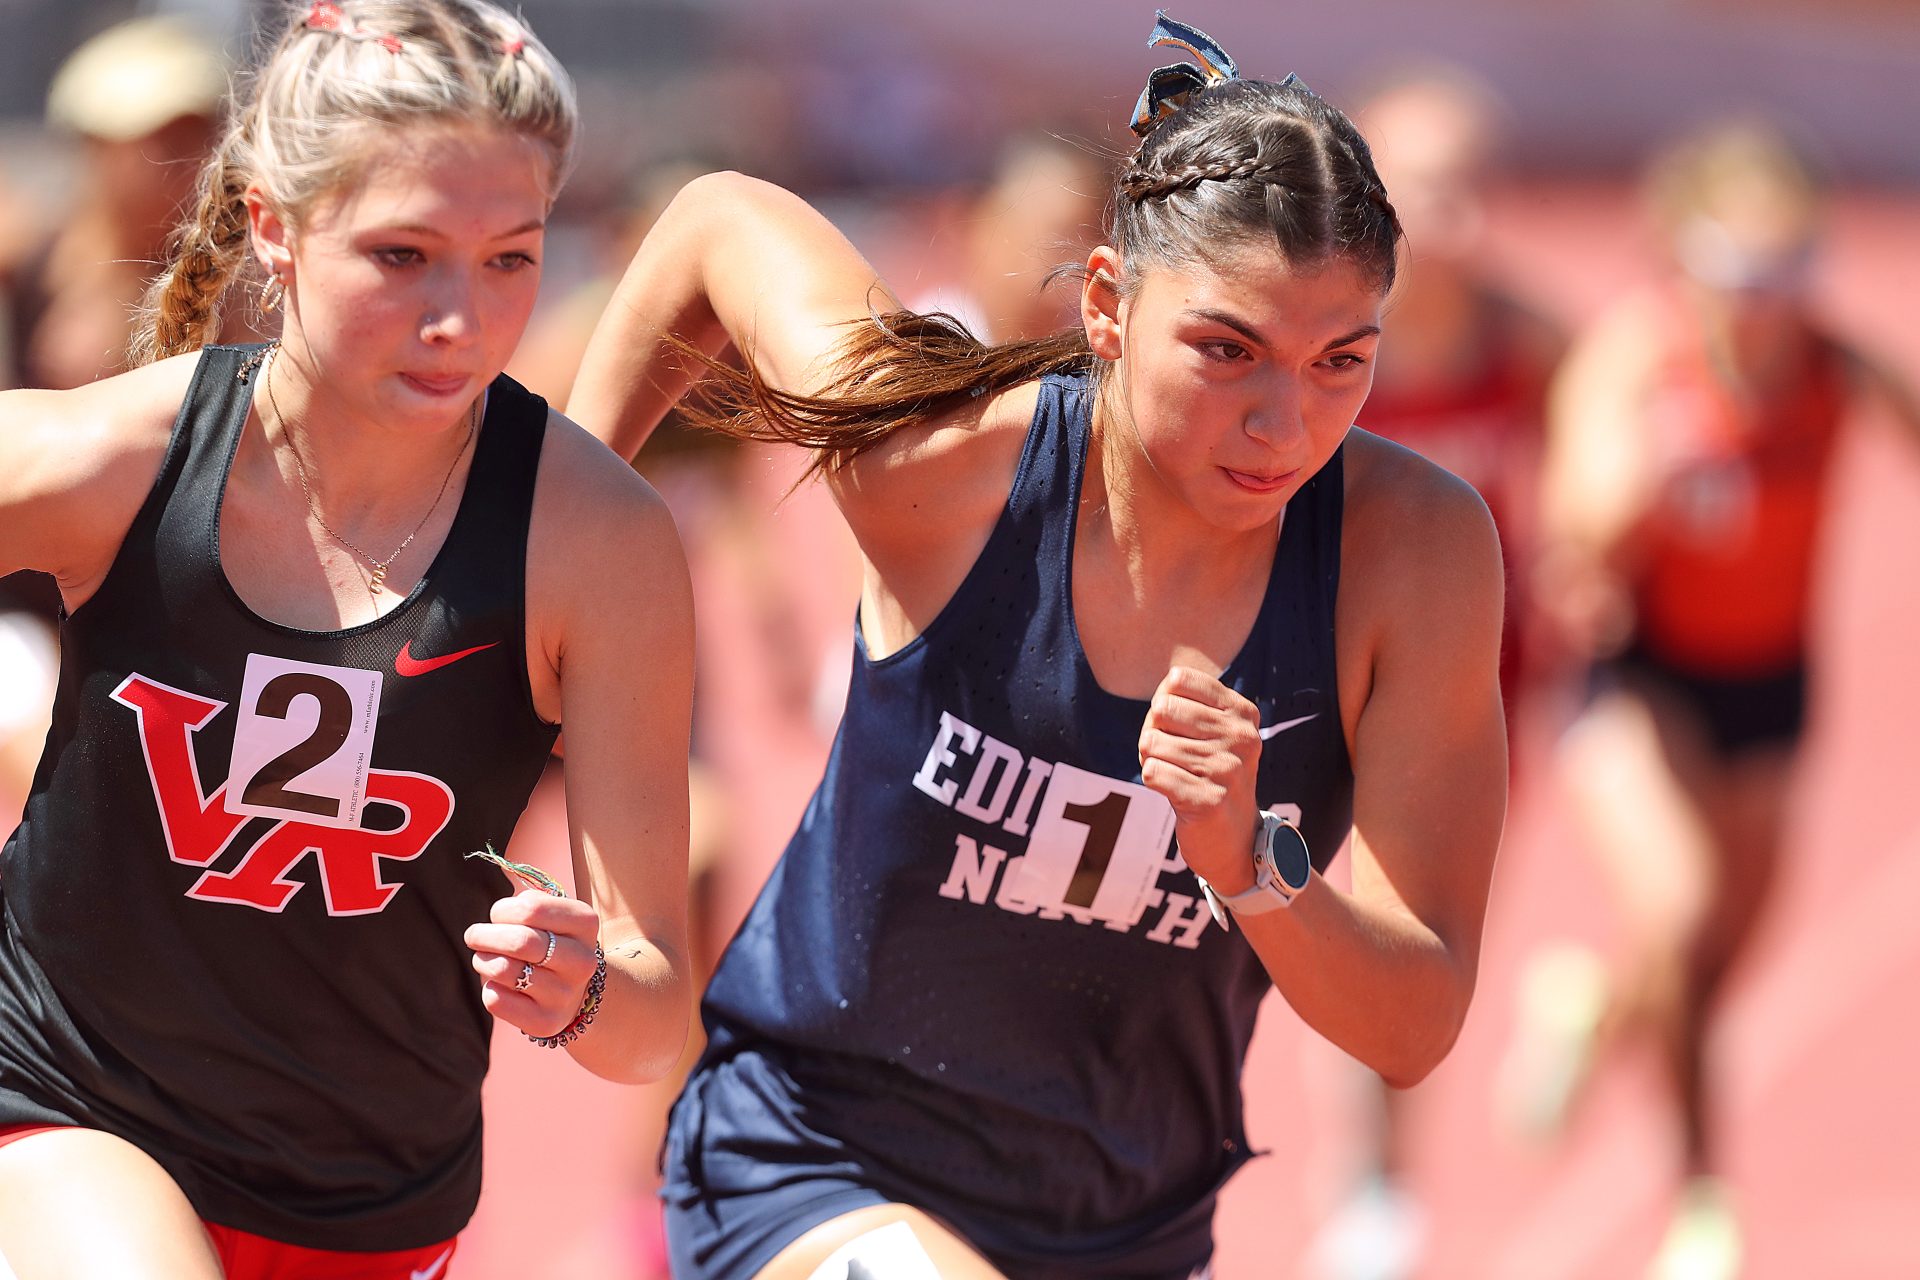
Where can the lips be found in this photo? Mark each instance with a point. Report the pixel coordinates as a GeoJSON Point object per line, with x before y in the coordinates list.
{"type": "Point", "coordinates": [1256, 482]}
{"type": "Point", "coordinates": [437, 384]}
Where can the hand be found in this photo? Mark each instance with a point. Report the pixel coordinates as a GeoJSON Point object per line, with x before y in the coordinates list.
{"type": "Point", "coordinates": [515, 937]}
{"type": "Point", "coordinates": [1200, 748]}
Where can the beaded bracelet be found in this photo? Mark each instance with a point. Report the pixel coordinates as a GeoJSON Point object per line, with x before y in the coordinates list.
{"type": "Point", "coordinates": [589, 1006]}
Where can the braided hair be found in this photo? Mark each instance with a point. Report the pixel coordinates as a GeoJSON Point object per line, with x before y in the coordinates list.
{"type": "Point", "coordinates": [1247, 159]}
{"type": "Point", "coordinates": [339, 65]}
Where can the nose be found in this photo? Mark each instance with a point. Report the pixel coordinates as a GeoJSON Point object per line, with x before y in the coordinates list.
{"type": "Point", "coordinates": [448, 316]}
{"type": "Point", "coordinates": [1276, 414]}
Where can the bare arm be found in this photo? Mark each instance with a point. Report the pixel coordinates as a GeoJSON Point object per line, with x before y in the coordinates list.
{"type": "Point", "coordinates": [612, 630]}
{"type": "Point", "coordinates": [1596, 477]}
{"type": "Point", "coordinates": [75, 467]}
{"type": "Point", "coordinates": [732, 260]}
{"type": "Point", "coordinates": [1387, 971]}
{"type": "Point", "coordinates": [1884, 389]}
{"type": "Point", "coordinates": [738, 261]}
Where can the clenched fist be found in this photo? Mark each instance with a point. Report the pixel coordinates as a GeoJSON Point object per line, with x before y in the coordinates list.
{"type": "Point", "coordinates": [1200, 748]}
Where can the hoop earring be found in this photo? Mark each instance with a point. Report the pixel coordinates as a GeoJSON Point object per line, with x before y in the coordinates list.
{"type": "Point", "coordinates": [271, 293]}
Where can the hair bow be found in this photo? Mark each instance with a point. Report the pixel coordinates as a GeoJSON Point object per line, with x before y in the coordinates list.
{"type": "Point", "coordinates": [1168, 87]}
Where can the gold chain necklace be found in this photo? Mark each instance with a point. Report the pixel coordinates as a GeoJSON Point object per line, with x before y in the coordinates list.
{"type": "Point", "coordinates": [377, 575]}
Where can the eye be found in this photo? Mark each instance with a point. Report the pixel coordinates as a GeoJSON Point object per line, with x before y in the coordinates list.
{"type": "Point", "coordinates": [516, 260]}
{"type": "Point", "coordinates": [398, 256]}
{"type": "Point", "coordinates": [1222, 349]}
{"type": "Point", "coordinates": [1346, 360]}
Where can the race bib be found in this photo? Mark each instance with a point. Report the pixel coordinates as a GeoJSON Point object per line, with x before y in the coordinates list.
{"type": "Point", "coordinates": [303, 740]}
{"type": "Point", "coordinates": [1098, 848]}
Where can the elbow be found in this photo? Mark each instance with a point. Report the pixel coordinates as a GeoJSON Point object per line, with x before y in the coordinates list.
{"type": "Point", "coordinates": [702, 198]}
{"type": "Point", "coordinates": [1414, 1065]}
{"type": "Point", "coordinates": [647, 1044]}
{"type": "Point", "coordinates": [646, 1058]}
{"type": "Point", "coordinates": [1425, 1043]}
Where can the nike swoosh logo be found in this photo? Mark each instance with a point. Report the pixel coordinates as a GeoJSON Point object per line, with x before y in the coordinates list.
{"type": "Point", "coordinates": [407, 665]}
{"type": "Point", "coordinates": [440, 1261]}
{"type": "Point", "coordinates": [1269, 730]}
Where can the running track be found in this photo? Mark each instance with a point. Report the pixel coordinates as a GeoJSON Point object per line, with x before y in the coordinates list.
{"type": "Point", "coordinates": [1819, 1041]}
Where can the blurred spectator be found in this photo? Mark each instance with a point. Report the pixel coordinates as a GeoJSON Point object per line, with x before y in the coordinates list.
{"type": "Point", "coordinates": [1463, 375]}
{"type": "Point", "coordinates": [142, 99]}
{"type": "Point", "coordinates": [1039, 210]}
{"type": "Point", "coordinates": [1461, 378]}
{"type": "Point", "coordinates": [1692, 432]}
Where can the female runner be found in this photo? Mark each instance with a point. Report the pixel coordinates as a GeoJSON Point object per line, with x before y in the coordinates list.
{"type": "Point", "coordinates": [326, 603]}
{"type": "Point", "coordinates": [1141, 610]}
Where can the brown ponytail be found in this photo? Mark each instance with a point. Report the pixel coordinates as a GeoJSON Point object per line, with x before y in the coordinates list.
{"type": "Point", "coordinates": [896, 370]}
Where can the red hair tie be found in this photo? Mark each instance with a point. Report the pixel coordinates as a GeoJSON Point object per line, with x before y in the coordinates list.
{"type": "Point", "coordinates": [326, 15]}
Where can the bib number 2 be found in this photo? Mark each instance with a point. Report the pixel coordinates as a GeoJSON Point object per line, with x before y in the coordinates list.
{"type": "Point", "coordinates": [303, 740]}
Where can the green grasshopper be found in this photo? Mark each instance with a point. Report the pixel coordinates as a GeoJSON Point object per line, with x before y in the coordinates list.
{"type": "Point", "coordinates": [532, 875]}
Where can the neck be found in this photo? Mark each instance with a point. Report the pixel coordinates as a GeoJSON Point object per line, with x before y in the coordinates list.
{"type": "Point", "coordinates": [1122, 498]}
{"type": "Point", "coordinates": [358, 472]}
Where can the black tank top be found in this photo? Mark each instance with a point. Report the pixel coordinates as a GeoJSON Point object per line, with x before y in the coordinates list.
{"type": "Point", "coordinates": [232, 912]}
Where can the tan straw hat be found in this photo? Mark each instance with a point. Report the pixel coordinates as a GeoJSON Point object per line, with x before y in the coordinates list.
{"type": "Point", "coordinates": [131, 79]}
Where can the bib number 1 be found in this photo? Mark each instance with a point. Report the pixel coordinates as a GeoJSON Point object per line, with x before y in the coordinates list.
{"type": "Point", "coordinates": [1098, 847]}
{"type": "Point", "coordinates": [303, 741]}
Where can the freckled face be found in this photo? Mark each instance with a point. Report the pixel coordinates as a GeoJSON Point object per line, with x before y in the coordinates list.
{"type": "Point", "coordinates": [1239, 378]}
{"type": "Point", "coordinates": [411, 287]}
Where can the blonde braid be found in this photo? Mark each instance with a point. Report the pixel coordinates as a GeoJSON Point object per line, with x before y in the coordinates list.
{"type": "Point", "coordinates": [181, 310]}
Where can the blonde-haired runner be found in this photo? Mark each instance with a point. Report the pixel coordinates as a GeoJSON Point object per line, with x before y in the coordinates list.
{"type": "Point", "coordinates": [328, 601]}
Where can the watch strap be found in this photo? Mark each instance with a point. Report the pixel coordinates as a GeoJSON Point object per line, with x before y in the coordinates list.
{"type": "Point", "coordinates": [1266, 894]}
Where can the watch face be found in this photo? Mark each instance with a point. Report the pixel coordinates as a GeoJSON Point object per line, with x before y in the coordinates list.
{"type": "Point", "coordinates": [1290, 860]}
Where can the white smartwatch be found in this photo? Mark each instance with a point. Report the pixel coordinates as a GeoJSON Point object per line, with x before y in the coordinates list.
{"type": "Point", "coordinates": [1281, 869]}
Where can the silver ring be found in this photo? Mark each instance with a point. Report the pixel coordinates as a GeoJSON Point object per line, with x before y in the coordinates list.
{"type": "Point", "coordinates": [525, 979]}
{"type": "Point", "coordinates": [552, 942]}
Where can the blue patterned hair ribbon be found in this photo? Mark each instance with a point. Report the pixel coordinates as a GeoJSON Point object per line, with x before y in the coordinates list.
{"type": "Point", "coordinates": [1168, 87]}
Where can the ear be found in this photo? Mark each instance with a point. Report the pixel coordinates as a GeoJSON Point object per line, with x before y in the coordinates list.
{"type": "Point", "coordinates": [268, 235]}
{"type": "Point", "coordinates": [1100, 303]}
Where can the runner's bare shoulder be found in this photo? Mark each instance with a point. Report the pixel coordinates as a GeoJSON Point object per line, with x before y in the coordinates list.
{"type": "Point", "coordinates": [75, 467]}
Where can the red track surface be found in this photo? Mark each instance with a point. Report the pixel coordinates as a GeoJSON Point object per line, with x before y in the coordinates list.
{"type": "Point", "coordinates": [1818, 1044]}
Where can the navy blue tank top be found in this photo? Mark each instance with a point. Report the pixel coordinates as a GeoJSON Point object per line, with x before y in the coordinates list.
{"type": "Point", "coordinates": [231, 917]}
{"type": "Point", "coordinates": [981, 959]}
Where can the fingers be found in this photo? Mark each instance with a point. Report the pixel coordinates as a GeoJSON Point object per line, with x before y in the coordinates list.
{"type": "Point", "coordinates": [1191, 704]}
{"type": "Point", "coordinates": [1200, 727]}
{"type": "Point", "coordinates": [536, 953]}
{"type": "Point", "coordinates": [1200, 748]}
{"type": "Point", "coordinates": [1190, 685]}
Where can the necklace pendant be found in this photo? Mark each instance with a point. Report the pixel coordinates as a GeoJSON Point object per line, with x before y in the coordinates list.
{"type": "Point", "coordinates": [378, 581]}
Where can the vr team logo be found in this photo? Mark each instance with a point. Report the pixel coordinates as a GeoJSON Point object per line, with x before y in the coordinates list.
{"type": "Point", "coordinates": [199, 827]}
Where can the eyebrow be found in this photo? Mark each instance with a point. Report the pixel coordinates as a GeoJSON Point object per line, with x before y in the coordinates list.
{"type": "Point", "coordinates": [421, 229]}
{"type": "Point", "coordinates": [1242, 327]}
